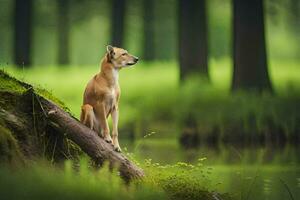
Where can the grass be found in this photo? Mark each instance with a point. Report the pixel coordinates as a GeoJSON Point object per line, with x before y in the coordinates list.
{"type": "Point", "coordinates": [12, 85]}
{"type": "Point", "coordinates": [151, 92]}
{"type": "Point", "coordinates": [170, 181]}
{"type": "Point", "coordinates": [177, 181]}
{"type": "Point", "coordinates": [40, 181]}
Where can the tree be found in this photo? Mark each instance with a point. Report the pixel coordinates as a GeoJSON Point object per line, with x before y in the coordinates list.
{"type": "Point", "coordinates": [295, 23]}
{"type": "Point", "coordinates": [63, 31]}
{"type": "Point", "coordinates": [249, 49]}
{"type": "Point", "coordinates": [118, 17]}
{"type": "Point", "coordinates": [22, 32]}
{"type": "Point", "coordinates": [193, 50]}
{"type": "Point", "coordinates": [148, 8]}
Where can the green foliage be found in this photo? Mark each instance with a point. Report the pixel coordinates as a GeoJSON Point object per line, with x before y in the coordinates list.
{"type": "Point", "coordinates": [12, 85]}
{"type": "Point", "coordinates": [180, 181]}
{"type": "Point", "coordinates": [152, 99]}
{"type": "Point", "coordinates": [9, 84]}
{"type": "Point", "coordinates": [43, 182]}
{"type": "Point", "coordinates": [73, 181]}
{"type": "Point", "coordinates": [91, 22]}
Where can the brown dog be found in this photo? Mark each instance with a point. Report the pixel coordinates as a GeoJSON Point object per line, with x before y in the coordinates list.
{"type": "Point", "coordinates": [102, 94]}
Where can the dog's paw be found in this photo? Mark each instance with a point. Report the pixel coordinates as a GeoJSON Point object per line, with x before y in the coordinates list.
{"type": "Point", "coordinates": [117, 149]}
{"type": "Point", "coordinates": [107, 139]}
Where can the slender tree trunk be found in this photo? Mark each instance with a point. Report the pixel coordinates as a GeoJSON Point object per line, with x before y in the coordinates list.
{"type": "Point", "coordinates": [193, 50]}
{"type": "Point", "coordinates": [118, 19]}
{"type": "Point", "coordinates": [148, 6]}
{"type": "Point", "coordinates": [63, 31]}
{"type": "Point", "coordinates": [23, 32]}
{"type": "Point", "coordinates": [295, 23]}
{"type": "Point", "coordinates": [250, 59]}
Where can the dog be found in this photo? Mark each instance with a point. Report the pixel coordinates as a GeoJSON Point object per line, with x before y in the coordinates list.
{"type": "Point", "coordinates": [102, 94]}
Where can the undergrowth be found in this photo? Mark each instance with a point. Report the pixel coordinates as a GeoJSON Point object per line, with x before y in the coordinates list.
{"type": "Point", "coordinates": [153, 100]}
{"type": "Point", "coordinates": [73, 181]}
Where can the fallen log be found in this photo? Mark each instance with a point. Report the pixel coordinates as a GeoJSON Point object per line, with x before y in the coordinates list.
{"type": "Point", "coordinates": [40, 127]}
{"type": "Point", "coordinates": [89, 141]}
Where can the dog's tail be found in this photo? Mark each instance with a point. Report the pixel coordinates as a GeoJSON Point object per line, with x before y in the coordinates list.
{"type": "Point", "coordinates": [87, 116]}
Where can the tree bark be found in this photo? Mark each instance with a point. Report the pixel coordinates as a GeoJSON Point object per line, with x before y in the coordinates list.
{"type": "Point", "coordinates": [63, 31]}
{"type": "Point", "coordinates": [193, 50]}
{"type": "Point", "coordinates": [118, 17]}
{"type": "Point", "coordinates": [89, 141]}
{"type": "Point", "coordinates": [250, 59]}
{"type": "Point", "coordinates": [148, 7]}
{"type": "Point", "coordinates": [22, 32]}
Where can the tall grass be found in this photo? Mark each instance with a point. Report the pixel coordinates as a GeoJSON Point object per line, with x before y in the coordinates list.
{"type": "Point", "coordinates": [41, 181]}
{"type": "Point", "coordinates": [153, 100]}
{"type": "Point", "coordinates": [73, 181]}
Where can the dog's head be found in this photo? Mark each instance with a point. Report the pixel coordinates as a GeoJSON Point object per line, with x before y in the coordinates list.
{"type": "Point", "coordinates": [120, 57]}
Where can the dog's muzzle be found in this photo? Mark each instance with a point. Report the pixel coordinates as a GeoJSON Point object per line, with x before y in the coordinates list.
{"type": "Point", "coordinates": [135, 60]}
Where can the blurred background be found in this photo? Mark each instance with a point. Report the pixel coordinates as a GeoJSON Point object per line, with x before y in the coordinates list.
{"type": "Point", "coordinates": [216, 78]}
{"type": "Point", "coordinates": [75, 32]}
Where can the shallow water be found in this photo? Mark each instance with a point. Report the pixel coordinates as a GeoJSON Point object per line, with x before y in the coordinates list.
{"type": "Point", "coordinates": [262, 173]}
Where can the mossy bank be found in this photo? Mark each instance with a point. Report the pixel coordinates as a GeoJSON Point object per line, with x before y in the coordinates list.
{"type": "Point", "coordinates": [24, 131]}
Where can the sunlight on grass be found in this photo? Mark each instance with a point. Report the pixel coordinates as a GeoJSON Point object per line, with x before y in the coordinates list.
{"type": "Point", "coordinates": [138, 82]}
{"type": "Point", "coordinates": [151, 94]}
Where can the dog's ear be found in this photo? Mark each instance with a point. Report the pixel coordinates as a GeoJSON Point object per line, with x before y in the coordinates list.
{"type": "Point", "coordinates": [110, 50]}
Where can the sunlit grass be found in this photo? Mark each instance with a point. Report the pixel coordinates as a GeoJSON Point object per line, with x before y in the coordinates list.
{"type": "Point", "coordinates": [152, 99]}
{"type": "Point", "coordinates": [180, 180]}
{"type": "Point", "coordinates": [41, 181]}
{"type": "Point", "coordinates": [68, 83]}
{"type": "Point", "coordinates": [81, 181]}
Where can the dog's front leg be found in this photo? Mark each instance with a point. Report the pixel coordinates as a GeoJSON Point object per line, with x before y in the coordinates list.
{"type": "Point", "coordinates": [101, 113]}
{"type": "Point", "coordinates": [115, 120]}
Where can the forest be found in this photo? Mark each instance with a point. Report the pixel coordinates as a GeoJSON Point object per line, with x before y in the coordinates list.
{"type": "Point", "coordinates": [210, 110]}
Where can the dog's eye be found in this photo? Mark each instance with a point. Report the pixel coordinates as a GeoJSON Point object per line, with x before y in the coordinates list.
{"type": "Point", "coordinates": [123, 54]}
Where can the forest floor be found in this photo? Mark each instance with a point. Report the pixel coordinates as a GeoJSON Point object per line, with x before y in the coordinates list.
{"type": "Point", "coordinates": [211, 105]}
{"type": "Point", "coordinates": [34, 157]}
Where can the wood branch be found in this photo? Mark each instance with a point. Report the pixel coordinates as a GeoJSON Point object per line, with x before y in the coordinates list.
{"type": "Point", "coordinates": [89, 141]}
{"type": "Point", "coordinates": [12, 120]}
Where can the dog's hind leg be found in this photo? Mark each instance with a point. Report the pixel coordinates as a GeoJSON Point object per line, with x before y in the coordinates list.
{"type": "Point", "coordinates": [101, 117]}
{"type": "Point", "coordinates": [87, 116]}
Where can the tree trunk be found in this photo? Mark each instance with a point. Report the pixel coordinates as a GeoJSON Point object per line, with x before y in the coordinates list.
{"type": "Point", "coordinates": [148, 7]}
{"type": "Point", "coordinates": [22, 32]}
{"type": "Point", "coordinates": [63, 31]}
{"type": "Point", "coordinates": [250, 59]}
{"type": "Point", "coordinates": [90, 142]}
{"type": "Point", "coordinates": [117, 24]}
{"type": "Point", "coordinates": [193, 50]}
{"type": "Point", "coordinates": [295, 24]}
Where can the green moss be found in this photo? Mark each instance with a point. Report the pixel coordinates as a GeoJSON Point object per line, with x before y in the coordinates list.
{"type": "Point", "coordinates": [13, 85]}
{"type": "Point", "coordinates": [9, 148]}
{"type": "Point", "coordinates": [48, 95]}
{"type": "Point", "coordinates": [183, 180]}
{"type": "Point", "coordinates": [16, 97]}
{"type": "Point", "coordinates": [10, 84]}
